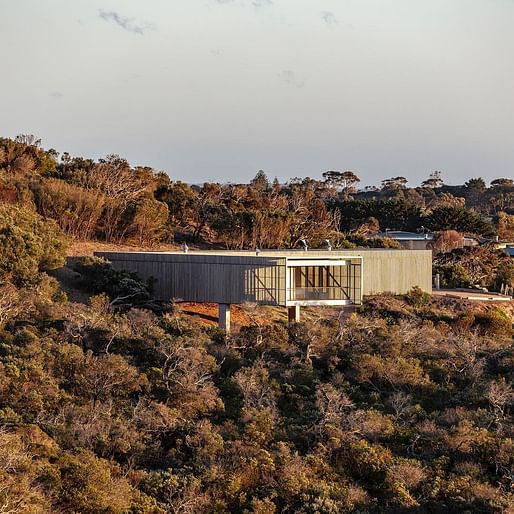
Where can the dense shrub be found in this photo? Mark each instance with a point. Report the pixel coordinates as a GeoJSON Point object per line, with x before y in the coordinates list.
{"type": "Point", "coordinates": [403, 407]}
{"type": "Point", "coordinates": [483, 266]}
{"type": "Point", "coordinates": [460, 219]}
{"type": "Point", "coordinates": [112, 411]}
{"type": "Point", "coordinates": [452, 275]}
{"type": "Point", "coordinates": [75, 209]}
{"type": "Point", "coordinates": [123, 287]}
{"type": "Point", "coordinates": [28, 244]}
{"type": "Point", "coordinates": [417, 297]}
{"type": "Point", "coordinates": [494, 323]}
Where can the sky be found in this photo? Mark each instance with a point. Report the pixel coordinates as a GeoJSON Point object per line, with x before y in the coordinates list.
{"type": "Point", "coordinates": [218, 89]}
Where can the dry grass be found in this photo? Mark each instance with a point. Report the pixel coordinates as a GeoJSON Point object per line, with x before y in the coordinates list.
{"type": "Point", "coordinates": [85, 248]}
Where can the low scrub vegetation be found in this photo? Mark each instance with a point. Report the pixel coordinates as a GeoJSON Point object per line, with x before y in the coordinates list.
{"type": "Point", "coordinates": [120, 406]}
{"type": "Point", "coordinates": [404, 407]}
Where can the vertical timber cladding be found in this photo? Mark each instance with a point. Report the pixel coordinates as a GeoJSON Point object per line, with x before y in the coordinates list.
{"type": "Point", "coordinates": [208, 278]}
{"type": "Point", "coordinates": [238, 277]}
{"type": "Point", "coordinates": [395, 271]}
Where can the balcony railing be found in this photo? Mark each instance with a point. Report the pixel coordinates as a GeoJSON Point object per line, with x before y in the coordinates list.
{"type": "Point", "coordinates": [319, 293]}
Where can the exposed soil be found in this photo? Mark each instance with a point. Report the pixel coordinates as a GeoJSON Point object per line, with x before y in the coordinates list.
{"type": "Point", "coordinates": [251, 315]}
{"type": "Point", "coordinates": [87, 248]}
{"type": "Point", "coordinates": [240, 315]}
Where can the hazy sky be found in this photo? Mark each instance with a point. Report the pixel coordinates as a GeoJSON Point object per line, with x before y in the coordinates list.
{"type": "Point", "coordinates": [217, 89]}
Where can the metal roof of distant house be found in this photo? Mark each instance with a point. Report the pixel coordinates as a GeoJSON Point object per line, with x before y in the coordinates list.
{"type": "Point", "coordinates": [401, 235]}
{"type": "Point", "coordinates": [509, 250]}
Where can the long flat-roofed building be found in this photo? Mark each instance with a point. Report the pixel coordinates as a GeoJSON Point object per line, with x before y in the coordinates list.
{"type": "Point", "coordinates": [288, 278]}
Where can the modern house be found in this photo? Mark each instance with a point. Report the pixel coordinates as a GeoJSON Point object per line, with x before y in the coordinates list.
{"type": "Point", "coordinates": [286, 278]}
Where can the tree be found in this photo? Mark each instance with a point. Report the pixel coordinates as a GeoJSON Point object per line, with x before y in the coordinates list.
{"type": "Point", "coordinates": [333, 405]}
{"type": "Point", "coordinates": [483, 266]}
{"type": "Point", "coordinates": [260, 181]}
{"type": "Point", "coordinates": [500, 395]}
{"type": "Point", "coordinates": [255, 386]}
{"type": "Point", "coordinates": [445, 200]}
{"type": "Point", "coordinates": [344, 180]}
{"type": "Point", "coordinates": [503, 183]}
{"type": "Point", "coordinates": [474, 189]}
{"type": "Point", "coordinates": [476, 184]}
{"type": "Point", "coordinates": [149, 221]}
{"type": "Point", "coordinates": [19, 491]}
{"type": "Point", "coordinates": [448, 240]}
{"type": "Point", "coordinates": [458, 218]}
{"type": "Point", "coordinates": [434, 180]}
{"type": "Point", "coordinates": [394, 214]}
{"type": "Point", "coordinates": [187, 374]}
{"type": "Point", "coordinates": [394, 184]}
{"type": "Point", "coordinates": [91, 485]}
{"type": "Point", "coordinates": [182, 201]}
{"type": "Point", "coordinates": [76, 210]}
{"type": "Point", "coordinates": [105, 377]}
{"type": "Point", "coordinates": [501, 194]}
{"type": "Point", "coordinates": [505, 224]}
{"type": "Point", "coordinates": [12, 303]}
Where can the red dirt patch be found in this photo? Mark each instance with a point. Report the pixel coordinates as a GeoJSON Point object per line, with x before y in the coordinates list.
{"type": "Point", "coordinates": [239, 315]}
{"type": "Point", "coordinates": [251, 315]}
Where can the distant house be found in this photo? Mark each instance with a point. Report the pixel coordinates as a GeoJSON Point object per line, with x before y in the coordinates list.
{"type": "Point", "coordinates": [418, 240]}
{"type": "Point", "coordinates": [408, 240]}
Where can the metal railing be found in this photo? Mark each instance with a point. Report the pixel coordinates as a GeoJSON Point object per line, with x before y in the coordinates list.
{"type": "Point", "coordinates": [318, 293]}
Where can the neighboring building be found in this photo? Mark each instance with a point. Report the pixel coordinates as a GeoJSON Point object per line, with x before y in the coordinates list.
{"type": "Point", "coordinates": [418, 240]}
{"type": "Point", "coordinates": [287, 278]}
{"type": "Point", "coordinates": [408, 240]}
{"type": "Point", "coordinates": [509, 250]}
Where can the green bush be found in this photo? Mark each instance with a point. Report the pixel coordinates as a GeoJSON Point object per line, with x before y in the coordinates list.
{"type": "Point", "coordinates": [99, 276]}
{"type": "Point", "coordinates": [417, 297]}
{"type": "Point", "coordinates": [28, 245]}
{"type": "Point", "coordinates": [493, 323]}
{"type": "Point", "coordinates": [504, 274]}
{"type": "Point", "coordinates": [452, 275]}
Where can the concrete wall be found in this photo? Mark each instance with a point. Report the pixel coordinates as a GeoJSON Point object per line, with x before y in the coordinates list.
{"type": "Point", "coordinates": [238, 277]}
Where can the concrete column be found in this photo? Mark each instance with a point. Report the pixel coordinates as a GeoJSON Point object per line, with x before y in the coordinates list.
{"type": "Point", "coordinates": [224, 317]}
{"type": "Point", "coordinates": [294, 314]}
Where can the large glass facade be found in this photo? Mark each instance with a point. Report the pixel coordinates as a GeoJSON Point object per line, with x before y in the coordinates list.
{"type": "Point", "coordinates": [325, 283]}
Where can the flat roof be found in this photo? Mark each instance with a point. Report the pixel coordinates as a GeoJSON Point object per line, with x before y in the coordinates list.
{"type": "Point", "coordinates": [403, 235]}
{"type": "Point", "coordinates": [350, 252]}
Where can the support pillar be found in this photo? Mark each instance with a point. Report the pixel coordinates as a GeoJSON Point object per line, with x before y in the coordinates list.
{"type": "Point", "coordinates": [224, 317]}
{"type": "Point", "coordinates": [294, 314]}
